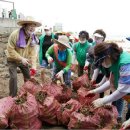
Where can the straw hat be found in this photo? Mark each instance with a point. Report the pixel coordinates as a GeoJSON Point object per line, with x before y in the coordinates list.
{"type": "Point", "coordinates": [29, 20]}
{"type": "Point", "coordinates": [63, 40]}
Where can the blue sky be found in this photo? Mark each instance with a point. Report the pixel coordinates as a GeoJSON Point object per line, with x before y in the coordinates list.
{"type": "Point", "coordinates": [76, 15]}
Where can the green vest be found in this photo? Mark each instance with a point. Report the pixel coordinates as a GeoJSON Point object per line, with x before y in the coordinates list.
{"type": "Point", "coordinates": [124, 59]}
{"type": "Point", "coordinates": [81, 50]}
{"type": "Point", "coordinates": [41, 39]}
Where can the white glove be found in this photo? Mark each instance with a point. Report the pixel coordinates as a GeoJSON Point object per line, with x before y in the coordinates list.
{"type": "Point", "coordinates": [25, 61]}
{"type": "Point", "coordinates": [98, 103]}
{"type": "Point", "coordinates": [50, 60]}
{"type": "Point", "coordinates": [91, 92]}
{"type": "Point", "coordinates": [126, 124]}
{"type": "Point", "coordinates": [59, 74]}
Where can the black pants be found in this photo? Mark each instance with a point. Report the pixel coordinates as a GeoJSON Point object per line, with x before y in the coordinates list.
{"type": "Point", "coordinates": [13, 76]}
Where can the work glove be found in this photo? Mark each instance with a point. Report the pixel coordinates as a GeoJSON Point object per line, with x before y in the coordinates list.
{"type": "Point", "coordinates": [98, 103]}
{"type": "Point", "coordinates": [59, 74]}
{"type": "Point", "coordinates": [86, 68]}
{"type": "Point", "coordinates": [126, 124]}
{"type": "Point", "coordinates": [50, 59]}
{"type": "Point", "coordinates": [32, 72]}
{"type": "Point", "coordinates": [91, 92]}
{"type": "Point", "coordinates": [92, 82]}
{"type": "Point", "coordinates": [25, 61]}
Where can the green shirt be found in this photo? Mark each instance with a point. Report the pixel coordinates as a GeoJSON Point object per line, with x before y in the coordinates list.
{"type": "Point", "coordinates": [50, 52]}
{"type": "Point", "coordinates": [81, 50]}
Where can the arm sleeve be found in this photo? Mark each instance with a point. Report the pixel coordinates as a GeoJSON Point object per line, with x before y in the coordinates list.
{"type": "Point", "coordinates": [113, 97]}
{"type": "Point", "coordinates": [50, 51]}
{"type": "Point", "coordinates": [87, 60]}
{"type": "Point", "coordinates": [11, 47]}
{"type": "Point", "coordinates": [95, 74]}
{"type": "Point", "coordinates": [124, 79]}
{"type": "Point", "coordinates": [123, 85]}
{"type": "Point", "coordinates": [103, 88]}
{"type": "Point", "coordinates": [69, 61]}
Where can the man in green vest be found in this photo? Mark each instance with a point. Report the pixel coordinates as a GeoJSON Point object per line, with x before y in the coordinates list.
{"type": "Point", "coordinates": [45, 42]}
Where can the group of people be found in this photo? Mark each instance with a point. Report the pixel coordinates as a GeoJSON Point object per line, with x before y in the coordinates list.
{"type": "Point", "coordinates": [108, 64]}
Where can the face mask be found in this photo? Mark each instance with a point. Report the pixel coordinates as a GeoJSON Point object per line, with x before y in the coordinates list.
{"type": "Point", "coordinates": [82, 42]}
{"type": "Point", "coordinates": [29, 32]}
{"type": "Point", "coordinates": [48, 33]}
{"type": "Point", "coordinates": [106, 65]}
{"type": "Point", "coordinates": [99, 41]}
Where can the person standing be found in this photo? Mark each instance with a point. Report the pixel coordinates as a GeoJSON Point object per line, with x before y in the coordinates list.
{"type": "Point", "coordinates": [81, 49]}
{"type": "Point", "coordinates": [21, 52]}
{"type": "Point", "coordinates": [46, 40]}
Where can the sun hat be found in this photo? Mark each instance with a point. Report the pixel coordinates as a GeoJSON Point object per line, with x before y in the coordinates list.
{"type": "Point", "coordinates": [29, 20]}
{"type": "Point", "coordinates": [63, 40]}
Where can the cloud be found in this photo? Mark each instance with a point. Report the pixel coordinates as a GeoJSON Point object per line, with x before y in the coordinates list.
{"type": "Point", "coordinates": [76, 15]}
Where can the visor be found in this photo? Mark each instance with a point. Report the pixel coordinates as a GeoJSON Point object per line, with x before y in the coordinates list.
{"type": "Point", "coordinates": [98, 35]}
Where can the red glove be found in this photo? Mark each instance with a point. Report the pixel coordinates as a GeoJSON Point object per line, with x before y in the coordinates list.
{"type": "Point", "coordinates": [32, 72]}
{"type": "Point", "coordinates": [85, 68]}
{"type": "Point", "coordinates": [92, 82]}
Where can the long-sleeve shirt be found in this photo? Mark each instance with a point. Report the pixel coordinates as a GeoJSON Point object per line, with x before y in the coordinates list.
{"type": "Point", "coordinates": [68, 61]}
{"type": "Point", "coordinates": [16, 54]}
{"type": "Point", "coordinates": [123, 85]}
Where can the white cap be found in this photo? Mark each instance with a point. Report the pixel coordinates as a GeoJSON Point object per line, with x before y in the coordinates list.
{"type": "Point", "coordinates": [47, 28]}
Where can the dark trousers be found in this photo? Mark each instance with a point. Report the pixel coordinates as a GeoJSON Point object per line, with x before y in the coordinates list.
{"type": "Point", "coordinates": [80, 70]}
{"type": "Point", "coordinates": [13, 76]}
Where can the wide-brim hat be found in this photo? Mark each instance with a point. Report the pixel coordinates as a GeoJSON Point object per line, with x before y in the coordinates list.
{"type": "Point", "coordinates": [63, 40]}
{"type": "Point", "coordinates": [29, 20]}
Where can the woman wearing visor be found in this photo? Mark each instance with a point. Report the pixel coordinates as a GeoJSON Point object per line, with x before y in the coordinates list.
{"type": "Point", "coordinates": [98, 75]}
{"type": "Point", "coordinates": [109, 55]}
{"type": "Point", "coordinates": [99, 36]}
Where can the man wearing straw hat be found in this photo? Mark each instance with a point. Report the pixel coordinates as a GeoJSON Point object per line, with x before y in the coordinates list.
{"type": "Point", "coordinates": [21, 52]}
{"type": "Point", "coordinates": [61, 55]}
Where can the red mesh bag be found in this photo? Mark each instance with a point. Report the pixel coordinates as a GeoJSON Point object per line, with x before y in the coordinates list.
{"type": "Point", "coordinates": [81, 81]}
{"type": "Point", "coordinates": [6, 105]}
{"type": "Point", "coordinates": [108, 116]}
{"type": "Point", "coordinates": [85, 99]}
{"type": "Point", "coordinates": [48, 107]}
{"type": "Point", "coordinates": [53, 90]}
{"type": "Point", "coordinates": [66, 94]}
{"type": "Point", "coordinates": [24, 113]}
{"type": "Point", "coordinates": [31, 86]}
{"type": "Point", "coordinates": [63, 113]}
{"type": "Point", "coordinates": [84, 119]}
